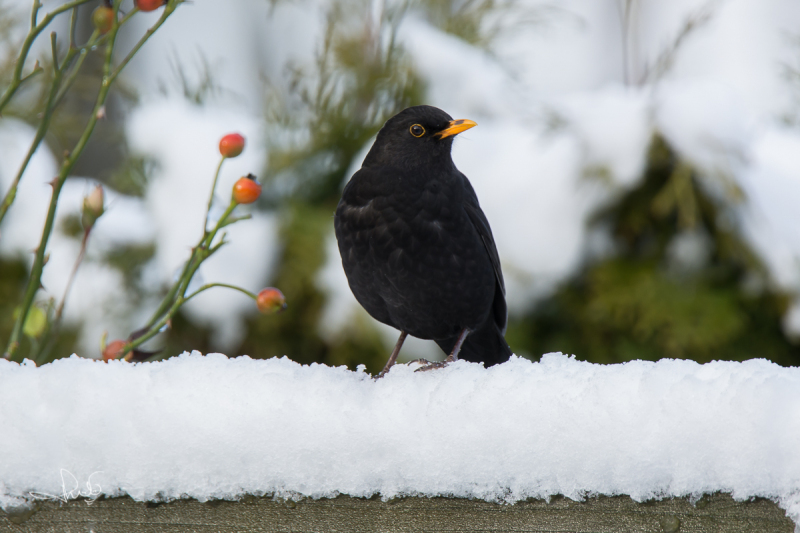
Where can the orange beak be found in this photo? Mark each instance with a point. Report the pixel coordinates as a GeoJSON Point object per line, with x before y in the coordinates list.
{"type": "Point", "coordinates": [455, 127]}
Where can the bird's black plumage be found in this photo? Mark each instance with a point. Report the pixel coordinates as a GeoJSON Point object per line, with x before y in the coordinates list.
{"type": "Point", "coordinates": [416, 247]}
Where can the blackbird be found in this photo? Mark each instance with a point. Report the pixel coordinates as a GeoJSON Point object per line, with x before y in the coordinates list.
{"type": "Point", "coordinates": [416, 247]}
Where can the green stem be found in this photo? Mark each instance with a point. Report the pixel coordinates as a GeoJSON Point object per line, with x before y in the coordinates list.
{"type": "Point", "coordinates": [36, 70]}
{"type": "Point", "coordinates": [71, 280]}
{"type": "Point", "coordinates": [174, 309]}
{"type": "Point", "coordinates": [73, 24]}
{"type": "Point", "coordinates": [81, 52]}
{"type": "Point", "coordinates": [34, 281]}
{"type": "Point", "coordinates": [54, 50]}
{"type": "Point", "coordinates": [36, 29]}
{"type": "Point", "coordinates": [211, 197]}
{"type": "Point", "coordinates": [168, 9]}
{"type": "Point", "coordinates": [200, 253]}
{"type": "Point", "coordinates": [173, 291]}
{"type": "Point", "coordinates": [9, 197]}
{"type": "Point", "coordinates": [35, 12]}
{"type": "Point", "coordinates": [226, 285]}
{"type": "Point", "coordinates": [155, 328]}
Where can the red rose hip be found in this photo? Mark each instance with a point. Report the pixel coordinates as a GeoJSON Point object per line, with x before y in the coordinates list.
{"type": "Point", "coordinates": [231, 145]}
{"type": "Point", "coordinates": [246, 190]}
{"type": "Point", "coordinates": [149, 5]}
{"type": "Point", "coordinates": [270, 300]}
{"type": "Point", "coordinates": [113, 350]}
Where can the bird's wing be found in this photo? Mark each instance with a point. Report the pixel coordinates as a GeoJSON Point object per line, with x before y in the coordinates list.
{"type": "Point", "coordinates": [482, 227]}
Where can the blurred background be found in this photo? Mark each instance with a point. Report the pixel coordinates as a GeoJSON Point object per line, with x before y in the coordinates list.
{"type": "Point", "coordinates": [639, 161]}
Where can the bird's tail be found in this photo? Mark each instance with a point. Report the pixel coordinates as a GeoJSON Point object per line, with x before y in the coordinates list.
{"type": "Point", "coordinates": [485, 345]}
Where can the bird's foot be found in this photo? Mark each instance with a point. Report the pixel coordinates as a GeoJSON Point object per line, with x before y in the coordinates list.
{"type": "Point", "coordinates": [432, 366]}
{"type": "Point", "coordinates": [428, 365]}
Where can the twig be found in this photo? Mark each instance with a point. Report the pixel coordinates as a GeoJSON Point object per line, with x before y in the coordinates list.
{"type": "Point", "coordinates": [36, 29]}
{"type": "Point", "coordinates": [71, 280]}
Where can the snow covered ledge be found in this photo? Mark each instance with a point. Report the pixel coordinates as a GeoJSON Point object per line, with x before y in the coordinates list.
{"type": "Point", "coordinates": [213, 428]}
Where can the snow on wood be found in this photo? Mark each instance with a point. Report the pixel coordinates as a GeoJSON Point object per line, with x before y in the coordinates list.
{"type": "Point", "coordinates": [210, 427]}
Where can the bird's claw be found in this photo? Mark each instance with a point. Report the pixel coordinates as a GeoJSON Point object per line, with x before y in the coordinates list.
{"type": "Point", "coordinates": [431, 365]}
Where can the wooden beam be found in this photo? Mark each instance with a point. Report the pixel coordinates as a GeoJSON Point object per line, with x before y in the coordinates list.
{"type": "Point", "coordinates": [715, 513]}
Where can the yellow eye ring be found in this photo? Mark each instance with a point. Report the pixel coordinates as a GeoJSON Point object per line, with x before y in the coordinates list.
{"type": "Point", "coordinates": [416, 130]}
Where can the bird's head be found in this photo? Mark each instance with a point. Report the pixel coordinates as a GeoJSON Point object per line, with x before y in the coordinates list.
{"type": "Point", "coordinates": [419, 135]}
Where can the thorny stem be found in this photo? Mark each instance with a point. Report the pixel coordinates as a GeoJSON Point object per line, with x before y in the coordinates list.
{"type": "Point", "coordinates": [34, 281]}
{"type": "Point", "coordinates": [36, 29]}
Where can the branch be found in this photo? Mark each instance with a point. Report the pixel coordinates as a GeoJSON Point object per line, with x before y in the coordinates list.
{"type": "Point", "coordinates": [17, 78]}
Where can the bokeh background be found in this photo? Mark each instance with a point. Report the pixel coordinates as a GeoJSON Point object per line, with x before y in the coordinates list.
{"type": "Point", "coordinates": [639, 161]}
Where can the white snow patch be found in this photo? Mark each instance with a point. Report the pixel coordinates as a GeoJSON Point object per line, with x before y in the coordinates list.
{"type": "Point", "coordinates": [615, 129]}
{"type": "Point", "coordinates": [709, 123]}
{"type": "Point", "coordinates": [213, 427]}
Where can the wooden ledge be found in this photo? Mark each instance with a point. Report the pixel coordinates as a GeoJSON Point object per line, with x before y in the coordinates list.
{"type": "Point", "coordinates": [715, 513]}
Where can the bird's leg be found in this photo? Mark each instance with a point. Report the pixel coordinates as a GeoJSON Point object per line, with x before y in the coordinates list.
{"type": "Point", "coordinates": [453, 354]}
{"type": "Point", "coordinates": [393, 357]}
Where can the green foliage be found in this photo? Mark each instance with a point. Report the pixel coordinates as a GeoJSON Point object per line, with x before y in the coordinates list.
{"type": "Point", "coordinates": [361, 77]}
{"type": "Point", "coordinates": [130, 260]}
{"type": "Point", "coordinates": [131, 176]}
{"type": "Point", "coordinates": [646, 302]}
{"type": "Point", "coordinates": [466, 19]}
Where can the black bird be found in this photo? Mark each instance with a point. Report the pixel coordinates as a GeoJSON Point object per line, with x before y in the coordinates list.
{"type": "Point", "coordinates": [416, 247]}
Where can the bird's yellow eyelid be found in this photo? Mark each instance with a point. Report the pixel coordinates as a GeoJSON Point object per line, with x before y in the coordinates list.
{"type": "Point", "coordinates": [411, 130]}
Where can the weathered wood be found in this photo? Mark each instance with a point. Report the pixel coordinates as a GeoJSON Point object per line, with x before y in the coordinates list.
{"type": "Point", "coordinates": [716, 513]}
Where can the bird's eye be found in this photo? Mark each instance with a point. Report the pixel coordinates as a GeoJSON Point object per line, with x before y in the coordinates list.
{"type": "Point", "coordinates": [417, 130]}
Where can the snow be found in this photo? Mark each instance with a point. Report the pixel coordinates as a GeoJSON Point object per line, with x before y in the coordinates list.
{"type": "Point", "coordinates": [213, 427]}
